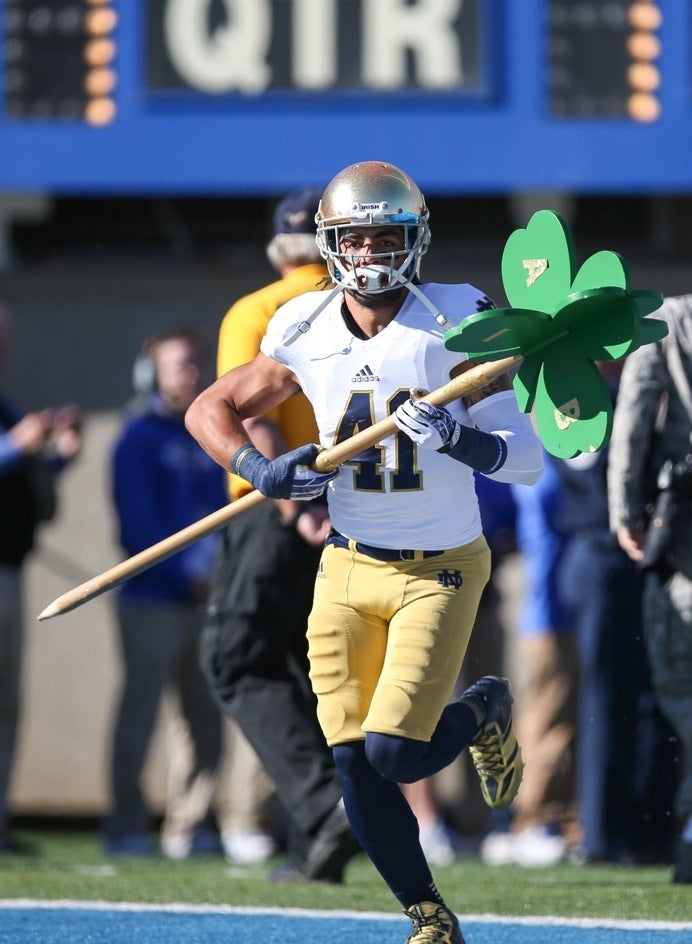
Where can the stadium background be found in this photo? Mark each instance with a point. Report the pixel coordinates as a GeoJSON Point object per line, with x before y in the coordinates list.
{"type": "Point", "coordinates": [145, 203]}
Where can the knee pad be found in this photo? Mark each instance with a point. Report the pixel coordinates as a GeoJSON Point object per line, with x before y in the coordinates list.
{"type": "Point", "coordinates": [349, 758]}
{"type": "Point", "coordinates": [395, 758]}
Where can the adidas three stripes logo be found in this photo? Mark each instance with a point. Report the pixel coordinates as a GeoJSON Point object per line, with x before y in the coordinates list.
{"type": "Point", "coordinates": [364, 375]}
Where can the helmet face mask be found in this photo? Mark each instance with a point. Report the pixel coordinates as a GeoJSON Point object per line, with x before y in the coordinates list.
{"type": "Point", "coordinates": [372, 194]}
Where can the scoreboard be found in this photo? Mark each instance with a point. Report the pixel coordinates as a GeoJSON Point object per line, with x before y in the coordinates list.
{"type": "Point", "coordinates": [253, 96]}
{"type": "Point", "coordinates": [58, 60]}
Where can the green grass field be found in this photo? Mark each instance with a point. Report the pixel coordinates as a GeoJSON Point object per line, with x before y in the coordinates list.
{"type": "Point", "coordinates": [62, 865]}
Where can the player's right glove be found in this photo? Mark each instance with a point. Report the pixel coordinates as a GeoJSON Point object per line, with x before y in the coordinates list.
{"type": "Point", "coordinates": [288, 476]}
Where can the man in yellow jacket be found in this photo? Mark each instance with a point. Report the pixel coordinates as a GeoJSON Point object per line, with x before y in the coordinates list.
{"type": "Point", "coordinates": [253, 649]}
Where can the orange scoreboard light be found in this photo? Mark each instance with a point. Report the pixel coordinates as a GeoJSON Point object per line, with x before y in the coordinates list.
{"type": "Point", "coordinates": [60, 60]}
{"type": "Point", "coordinates": [604, 59]}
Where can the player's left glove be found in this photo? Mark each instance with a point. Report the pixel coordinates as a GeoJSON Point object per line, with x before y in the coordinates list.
{"type": "Point", "coordinates": [435, 428]}
{"type": "Point", "coordinates": [429, 426]}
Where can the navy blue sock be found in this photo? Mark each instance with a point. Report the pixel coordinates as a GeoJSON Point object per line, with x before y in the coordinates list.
{"type": "Point", "coordinates": [382, 820]}
{"type": "Point", "coordinates": [405, 761]}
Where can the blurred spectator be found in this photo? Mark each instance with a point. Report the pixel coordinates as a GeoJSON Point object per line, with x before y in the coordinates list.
{"type": "Point", "coordinates": [163, 482]}
{"type": "Point", "coordinates": [246, 803]}
{"type": "Point", "coordinates": [624, 761]}
{"type": "Point", "coordinates": [437, 840]}
{"type": "Point", "coordinates": [34, 447]}
{"type": "Point", "coordinates": [544, 821]}
{"type": "Point", "coordinates": [651, 462]}
{"type": "Point", "coordinates": [254, 648]}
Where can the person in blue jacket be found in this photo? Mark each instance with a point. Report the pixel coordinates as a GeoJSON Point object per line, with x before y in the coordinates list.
{"type": "Point", "coordinates": [34, 449]}
{"type": "Point", "coordinates": [162, 482]}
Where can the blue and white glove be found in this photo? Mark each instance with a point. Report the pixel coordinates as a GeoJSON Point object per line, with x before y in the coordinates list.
{"type": "Point", "coordinates": [429, 426]}
{"type": "Point", "coordinates": [288, 476]}
{"type": "Point", "coordinates": [435, 428]}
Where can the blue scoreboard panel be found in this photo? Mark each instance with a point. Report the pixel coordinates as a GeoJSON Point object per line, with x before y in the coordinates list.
{"type": "Point", "coordinates": [205, 97]}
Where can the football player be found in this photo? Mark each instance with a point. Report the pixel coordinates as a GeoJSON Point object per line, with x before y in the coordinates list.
{"type": "Point", "coordinates": [405, 561]}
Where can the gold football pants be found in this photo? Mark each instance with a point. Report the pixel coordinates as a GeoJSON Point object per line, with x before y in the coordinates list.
{"type": "Point", "coordinates": [387, 639]}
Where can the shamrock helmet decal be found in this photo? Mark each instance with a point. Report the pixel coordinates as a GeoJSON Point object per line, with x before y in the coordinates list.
{"type": "Point", "coordinates": [561, 325]}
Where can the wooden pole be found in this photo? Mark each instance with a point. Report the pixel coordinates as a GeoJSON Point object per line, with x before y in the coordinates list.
{"type": "Point", "coordinates": [147, 558]}
{"type": "Point", "coordinates": [327, 460]}
{"type": "Point", "coordinates": [473, 379]}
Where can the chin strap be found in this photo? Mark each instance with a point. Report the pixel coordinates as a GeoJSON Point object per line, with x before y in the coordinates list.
{"type": "Point", "coordinates": [305, 326]}
{"type": "Point", "coordinates": [350, 281]}
{"type": "Point", "coordinates": [437, 315]}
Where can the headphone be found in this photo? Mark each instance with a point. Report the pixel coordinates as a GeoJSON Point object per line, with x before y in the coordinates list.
{"type": "Point", "coordinates": [144, 369]}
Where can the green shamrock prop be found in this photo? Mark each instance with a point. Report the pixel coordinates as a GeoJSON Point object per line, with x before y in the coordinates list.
{"type": "Point", "coordinates": [561, 324]}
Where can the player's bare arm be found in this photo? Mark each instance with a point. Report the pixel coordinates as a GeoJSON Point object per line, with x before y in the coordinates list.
{"type": "Point", "coordinates": [216, 417]}
{"type": "Point", "coordinates": [216, 421]}
{"type": "Point", "coordinates": [310, 520]}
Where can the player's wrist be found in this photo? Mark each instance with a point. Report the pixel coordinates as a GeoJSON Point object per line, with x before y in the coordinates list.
{"type": "Point", "coordinates": [483, 452]}
{"type": "Point", "coordinates": [453, 440]}
{"type": "Point", "coordinates": [249, 463]}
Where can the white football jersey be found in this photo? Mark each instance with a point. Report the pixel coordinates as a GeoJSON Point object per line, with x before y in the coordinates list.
{"type": "Point", "coordinates": [394, 494]}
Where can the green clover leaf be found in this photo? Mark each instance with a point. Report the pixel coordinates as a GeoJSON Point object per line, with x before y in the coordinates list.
{"type": "Point", "coordinates": [500, 332]}
{"type": "Point", "coordinates": [561, 323]}
{"type": "Point", "coordinates": [538, 263]}
{"type": "Point", "coordinates": [602, 268]}
{"type": "Point", "coordinates": [572, 404]}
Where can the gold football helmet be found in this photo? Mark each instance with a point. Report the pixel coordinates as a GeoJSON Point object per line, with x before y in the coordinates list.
{"type": "Point", "coordinates": [372, 193]}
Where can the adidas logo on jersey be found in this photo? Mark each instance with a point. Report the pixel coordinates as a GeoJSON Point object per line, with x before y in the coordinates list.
{"type": "Point", "coordinates": [364, 375]}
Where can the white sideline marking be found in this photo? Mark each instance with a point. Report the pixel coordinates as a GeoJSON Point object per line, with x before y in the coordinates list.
{"type": "Point", "coordinates": [182, 908]}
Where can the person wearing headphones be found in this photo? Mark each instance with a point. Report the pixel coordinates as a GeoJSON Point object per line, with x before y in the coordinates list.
{"type": "Point", "coordinates": [162, 482]}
